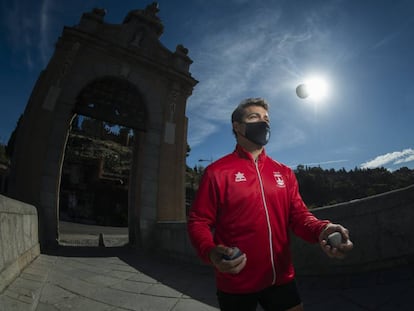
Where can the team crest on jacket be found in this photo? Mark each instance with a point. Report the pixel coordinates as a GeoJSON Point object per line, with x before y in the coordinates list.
{"type": "Point", "coordinates": [279, 179]}
{"type": "Point", "coordinates": [239, 177]}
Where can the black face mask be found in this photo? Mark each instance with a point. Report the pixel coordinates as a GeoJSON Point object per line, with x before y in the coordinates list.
{"type": "Point", "coordinates": [258, 132]}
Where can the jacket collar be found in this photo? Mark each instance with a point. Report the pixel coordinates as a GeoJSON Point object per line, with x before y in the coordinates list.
{"type": "Point", "coordinates": [243, 153]}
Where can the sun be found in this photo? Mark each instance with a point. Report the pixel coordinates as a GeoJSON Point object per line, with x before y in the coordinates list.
{"type": "Point", "coordinates": [317, 88]}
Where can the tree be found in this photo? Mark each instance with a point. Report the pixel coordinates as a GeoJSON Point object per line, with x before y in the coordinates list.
{"type": "Point", "coordinates": [323, 187]}
{"type": "Point", "coordinates": [188, 150]}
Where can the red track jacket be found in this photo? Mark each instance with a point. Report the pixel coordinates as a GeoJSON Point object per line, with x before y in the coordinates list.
{"type": "Point", "coordinates": [251, 205]}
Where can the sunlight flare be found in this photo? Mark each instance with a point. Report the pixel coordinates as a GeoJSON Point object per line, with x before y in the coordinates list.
{"type": "Point", "coordinates": [317, 88]}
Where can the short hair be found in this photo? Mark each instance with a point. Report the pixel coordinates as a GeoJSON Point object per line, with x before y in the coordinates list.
{"type": "Point", "coordinates": [238, 113]}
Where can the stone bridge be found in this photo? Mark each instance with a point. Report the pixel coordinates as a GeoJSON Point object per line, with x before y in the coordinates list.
{"type": "Point", "coordinates": [380, 227]}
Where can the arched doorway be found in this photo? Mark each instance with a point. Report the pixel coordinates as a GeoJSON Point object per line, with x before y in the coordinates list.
{"type": "Point", "coordinates": [95, 173]}
{"type": "Point", "coordinates": [98, 157]}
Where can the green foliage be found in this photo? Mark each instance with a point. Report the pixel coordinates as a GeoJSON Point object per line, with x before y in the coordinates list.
{"type": "Point", "coordinates": [320, 187]}
{"type": "Point", "coordinates": [192, 180]}
{"type": "Point", "coordinates": [188, 150]}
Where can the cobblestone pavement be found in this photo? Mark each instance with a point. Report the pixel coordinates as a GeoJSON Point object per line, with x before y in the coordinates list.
{"type": "Point", "coordinates": [120, 278]}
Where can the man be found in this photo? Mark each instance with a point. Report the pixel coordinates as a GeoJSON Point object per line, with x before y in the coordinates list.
{"type": "Point", "coordinates": [249, 201]}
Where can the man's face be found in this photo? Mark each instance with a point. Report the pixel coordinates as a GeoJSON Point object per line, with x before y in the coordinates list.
{"type": "Point", "coordinates": [251, 114]}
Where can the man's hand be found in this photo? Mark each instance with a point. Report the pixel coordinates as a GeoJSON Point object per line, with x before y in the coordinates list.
{"type": "Point", "coordinates": [335, 252]}
{"type": "Point", "coordinates": [227, 266]}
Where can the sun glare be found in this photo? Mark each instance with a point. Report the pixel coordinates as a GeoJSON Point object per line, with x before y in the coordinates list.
{"type": "Point", "coordinates": [317, 88]}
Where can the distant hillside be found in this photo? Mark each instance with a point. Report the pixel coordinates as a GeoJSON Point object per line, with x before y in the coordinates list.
{"type": "Point", "coordinates": [117, 158]}
{"type": "Point", "coordinates": [320, 187]}
{"type": "Point", "coordinates": [95, 175]}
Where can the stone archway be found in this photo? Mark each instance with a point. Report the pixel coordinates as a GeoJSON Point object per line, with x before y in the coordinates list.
{"type": "Point", "coordinates": [117, 73]}
{"type": "Point", "coordinates": [116, 101]}
{"type": "Point", "coordinates": [113, 99]}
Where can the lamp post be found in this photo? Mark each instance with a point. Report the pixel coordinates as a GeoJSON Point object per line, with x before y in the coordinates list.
{"type": "Point", "coordinates": [205, 160]}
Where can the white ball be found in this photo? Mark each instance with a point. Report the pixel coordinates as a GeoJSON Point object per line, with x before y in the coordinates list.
{"type": "Point", "coordinates": [335, 239]}
{"type": "Point", "coordinates": [302, 91]}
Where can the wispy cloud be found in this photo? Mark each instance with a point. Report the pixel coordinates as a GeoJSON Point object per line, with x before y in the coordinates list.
{"type": "Point", "coordinates": [393, 35]}
{"type": "Point", "coordinates": [27, 28]}
{"type": "Point", "coordinates": [386, 40]}
{"type": "Point", "coordinates": [255, 57]}
{"type": "Point", "coordinates": [394, 158]}
{"type": "Point", "coordinates": [200, 129]}
{"type": "Point", "coordinates": [406, 159]}
{"type": "Point", "coordinates": [284, 137]}
{"type": "Point", "coordinates": [18, 28]}
{"type": "Point", "coordinates": [44, 42]}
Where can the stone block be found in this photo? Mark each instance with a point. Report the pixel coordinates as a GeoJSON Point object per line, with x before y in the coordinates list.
{"type": "Point", "coordinates": [19, 243]}
{"type": "Point", "coordinates": [8, 224]}
{"type": "Point", "coordinates": [8, 274]}
{"type": "Point", "coordinates": [149, 213]}
{"type": "Point", "coordinates": [27, 231]}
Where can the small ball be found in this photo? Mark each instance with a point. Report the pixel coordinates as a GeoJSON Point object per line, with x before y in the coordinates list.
{"type": "Point", "coordinates": [302, 91]}
{"type": "Point", "coordinates": [335, 239]}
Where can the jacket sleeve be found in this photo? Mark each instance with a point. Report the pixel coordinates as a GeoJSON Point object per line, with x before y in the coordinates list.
{"type": "Point", "coordinates": [202, 217]}
{"type": "Point", "coordinates": [302, 222]}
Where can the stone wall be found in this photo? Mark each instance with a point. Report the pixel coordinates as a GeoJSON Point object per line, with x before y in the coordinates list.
{"type": "Point", "coordinates": [380, 228]}
{"type": "Point", "coordinates": [19, 242]}
{"type": "Point", "coordinates": [172, 240]}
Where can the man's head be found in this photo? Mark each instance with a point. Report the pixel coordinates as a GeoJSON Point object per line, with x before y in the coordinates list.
{"type": "Point", "coordinates": [251, 110]}
{"type": "Point", "coordinates": [240, 111]}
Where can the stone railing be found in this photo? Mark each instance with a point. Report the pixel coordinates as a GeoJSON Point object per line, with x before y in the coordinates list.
{"type": "Point", "coordinates": [380, 227]}
{"type": "Point", "coordinates": [19, 241]}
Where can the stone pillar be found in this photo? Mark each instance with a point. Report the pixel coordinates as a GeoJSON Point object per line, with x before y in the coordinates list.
{"type": "Point", "coordinates": [134, 191]}
{"type": "Point", "coordinates": [171, 192]}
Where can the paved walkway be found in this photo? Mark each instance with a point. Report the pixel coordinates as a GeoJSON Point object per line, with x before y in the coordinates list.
{"type": "Point", "coordinates": [119, 278]}
{"type": "Point", "coordinates": [84, 278]}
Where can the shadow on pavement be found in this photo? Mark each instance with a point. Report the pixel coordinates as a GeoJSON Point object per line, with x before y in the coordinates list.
{"type": "Point", "coordinates": [195, 281]}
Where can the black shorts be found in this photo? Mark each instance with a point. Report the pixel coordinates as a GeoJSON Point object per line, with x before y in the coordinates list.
{"type": "Point", "coordinates": [273, 298]}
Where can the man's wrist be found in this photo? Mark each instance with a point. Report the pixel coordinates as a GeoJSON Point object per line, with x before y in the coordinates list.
{"type": "Point", "coordinates": [324, 229]}
{"type": "Point", "coordinates": [210, 253]}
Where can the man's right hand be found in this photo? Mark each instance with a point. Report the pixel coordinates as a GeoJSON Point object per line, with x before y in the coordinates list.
{"type": "Point", "coordinates": [227, 266]}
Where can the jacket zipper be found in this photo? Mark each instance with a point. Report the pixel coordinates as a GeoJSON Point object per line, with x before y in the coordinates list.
{"type": "Point", "coordinates": [268, 223]}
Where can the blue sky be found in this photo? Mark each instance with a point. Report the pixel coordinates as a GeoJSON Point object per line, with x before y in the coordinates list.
{"type": "Point", "coordinates": [256, 48]}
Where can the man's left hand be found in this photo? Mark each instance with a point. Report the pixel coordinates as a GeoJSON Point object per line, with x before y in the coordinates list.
{"type": "Point", "coordinates": [335, 252]}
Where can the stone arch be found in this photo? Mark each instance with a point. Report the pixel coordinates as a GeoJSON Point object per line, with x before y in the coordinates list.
{"type": "Point", "coordinates": [114, 100]}
{"type": "Point", "coordinates": [118, 101]}
{"type": "Point", "coordinates": [116, 73]}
